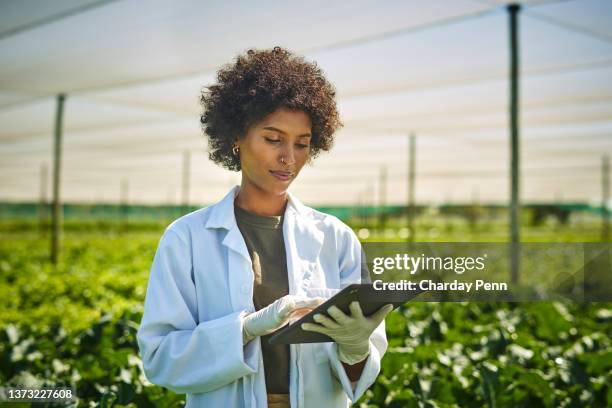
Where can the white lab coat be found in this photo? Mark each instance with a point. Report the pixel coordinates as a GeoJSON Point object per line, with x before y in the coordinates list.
{"type": "Point", "coordinates": [200, 285]}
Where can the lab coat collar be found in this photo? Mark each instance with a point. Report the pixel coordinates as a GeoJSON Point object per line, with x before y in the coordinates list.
{"type": "Point", "coordinates": [222, 213]}
{"type": "Point", "coordinates": [303, 242]}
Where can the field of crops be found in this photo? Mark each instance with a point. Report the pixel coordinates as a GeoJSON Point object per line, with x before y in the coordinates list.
{"type": "Point", "coordinates": [76, 325]}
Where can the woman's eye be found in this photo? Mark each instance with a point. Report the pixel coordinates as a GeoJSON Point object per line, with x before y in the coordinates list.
{"type": "Point", "coordinates": [272, 140]}
{"type": "Point", "coordinates": [303, 146]}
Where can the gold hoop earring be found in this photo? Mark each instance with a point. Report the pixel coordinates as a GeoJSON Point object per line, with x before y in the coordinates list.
{"type": "Point", "coordinates": [235, 150]}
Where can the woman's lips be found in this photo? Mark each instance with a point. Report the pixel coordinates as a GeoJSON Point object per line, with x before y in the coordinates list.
{"type": "Point", "coordinates": [282, 175]}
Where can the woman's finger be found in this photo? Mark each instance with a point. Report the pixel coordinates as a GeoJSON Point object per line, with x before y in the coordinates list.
{"type": "Point", "coordinates": [356, 311]}
{"type": "Point", "coordinates": [308, 302]}
{"type": "Point", "coordinates": [298, 313]}
{"type": "Point", "coordinates": [338, 315]}
{"type": "Point", "coordinates": [325, 321]}
{"type": "Point", "coordinates": [314, 328]}
{"type": "Point", "coordinates": [381, 313]}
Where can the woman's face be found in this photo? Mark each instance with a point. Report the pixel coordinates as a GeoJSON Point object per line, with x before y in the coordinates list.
{"type": "Point", "coordinates": [273, 151]}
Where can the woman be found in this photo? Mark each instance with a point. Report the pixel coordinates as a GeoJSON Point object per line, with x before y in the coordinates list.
{"type": "Point", "coordinates": [226, 276]}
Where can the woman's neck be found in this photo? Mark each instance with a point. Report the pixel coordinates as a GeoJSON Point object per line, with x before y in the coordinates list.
{"type": "Point", "coordinates": [260, 202]}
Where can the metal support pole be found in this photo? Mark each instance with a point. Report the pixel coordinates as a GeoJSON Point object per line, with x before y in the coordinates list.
{"type": "Point", "coordinates": [411, 179]}
{"type": "Point", "coordinates": [354, 211]}
{"type": "Point", "coordinates": [186, 171]}
{"type": "Point", "coordinates": [371, 201]}
{"type": "Point", "coordinates": [474, 210]}
{"type": "Point", "coordinates": [57, 215]}
{"type": "Point", "coordinates": [515, 209]}
{"type": "Point", "coordinates": [605, 198]}
{"type": "Point", "coordinates": [364, 210]}
{"type": "Point", "coordinates": [382, 199]}
{"type": "Point", "coordinates": [124, 196]}
{"type": "Point", "coordinates": [42, 206]}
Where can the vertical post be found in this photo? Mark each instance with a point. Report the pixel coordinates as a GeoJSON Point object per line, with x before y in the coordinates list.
{"type": "Point", "coordinates": [382, 198]}
{"type": "Point", "coordinates": [362, 208]}
{"type": "Point", "coordinates": [605, 198]}
{"type": "Point", "coordinates": [372, 210]}
{"type": "Point", "coordinates": [124, 196]}
{"type": "Point", "coordinates": [473, 211]}
{"type": "Point", "coordinates": [42, 206]}
{"type": "Point", "coordinates": [354, 211]}
{"type": "Point", "coordinates": [186, 168]}
{"type": "Point", "coordinates": [411, 179]}
{"type": "Point", "coordinates": [515, 209]}
{"type": "Point", "coordinates": [169, 213]}
{"type": "Point", "coordinates": [57, 215]}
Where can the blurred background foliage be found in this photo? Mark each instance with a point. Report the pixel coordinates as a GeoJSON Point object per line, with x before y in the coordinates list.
{"type": "Point", "coordinates": [75, 324]}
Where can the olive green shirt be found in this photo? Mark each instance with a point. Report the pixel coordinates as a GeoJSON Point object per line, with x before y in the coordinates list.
{"type": "Point", "coordinates": [263, 236]}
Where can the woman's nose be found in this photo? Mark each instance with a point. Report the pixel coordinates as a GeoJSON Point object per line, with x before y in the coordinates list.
{"type": "Point", "coordinates": [287, 156]}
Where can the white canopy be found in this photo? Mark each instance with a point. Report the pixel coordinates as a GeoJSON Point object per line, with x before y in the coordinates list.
{"type": "Point", "coordinates": [133, 70]}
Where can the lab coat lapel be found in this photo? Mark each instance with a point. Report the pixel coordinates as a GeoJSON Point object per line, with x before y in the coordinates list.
{"type": "Point", "coordinates": [239, 267]}
{"type": "Point", "coordinates": [240, 270]}
{"type": "Point", "coordinates": [303, 241]}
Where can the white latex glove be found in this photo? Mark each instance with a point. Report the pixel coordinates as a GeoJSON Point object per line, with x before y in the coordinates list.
{"type": "Point", "coordinates": [276, 315]}
{"type": "Point", "coordinates": [351, 333]}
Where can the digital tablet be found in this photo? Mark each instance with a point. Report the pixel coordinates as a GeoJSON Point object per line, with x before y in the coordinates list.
{"type": "Point", "coordinates": [369, 299]}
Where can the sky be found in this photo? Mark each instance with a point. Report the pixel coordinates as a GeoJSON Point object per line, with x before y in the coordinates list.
{"type": "Point", "coordinates": [133, 72]}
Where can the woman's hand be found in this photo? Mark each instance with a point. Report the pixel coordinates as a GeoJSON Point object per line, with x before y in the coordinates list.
{"type": "Point", "coordinates": [351, 333]}
{"type": "Point", "coordinates": [276, 315]}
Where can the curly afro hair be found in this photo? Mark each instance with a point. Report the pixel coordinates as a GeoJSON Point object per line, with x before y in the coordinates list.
{"type": "Point", "coordinates": [257, 84]}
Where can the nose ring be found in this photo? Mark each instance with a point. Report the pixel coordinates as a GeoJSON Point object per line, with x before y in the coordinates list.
{"type": "Point", "coordinates": [282, 160]}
